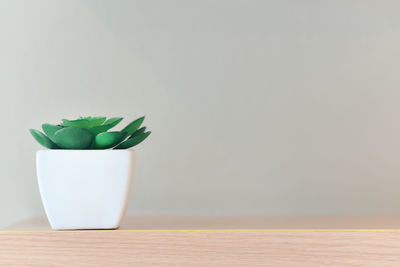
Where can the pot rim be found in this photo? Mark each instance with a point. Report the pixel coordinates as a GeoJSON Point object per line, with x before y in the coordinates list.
{"type": "Point", "coordinates": [85, 150]}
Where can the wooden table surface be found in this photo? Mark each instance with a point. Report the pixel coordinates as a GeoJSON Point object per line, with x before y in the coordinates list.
{"type": "Point", "coordinates": [209, 241]}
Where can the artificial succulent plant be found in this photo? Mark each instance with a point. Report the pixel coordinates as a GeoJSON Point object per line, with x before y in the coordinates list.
{"type": "Point", "coordinates": [90, 133]}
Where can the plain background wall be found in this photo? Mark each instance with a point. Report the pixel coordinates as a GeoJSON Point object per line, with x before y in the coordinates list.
{"type": "Point", "coordinates": [256, 107]}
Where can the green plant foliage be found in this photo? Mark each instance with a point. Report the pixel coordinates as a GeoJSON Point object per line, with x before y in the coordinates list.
{"type": "Point", "coordinates": [133, 126]}
{"type": "Point", "coordinates": [108, 139]}
{"type": "Point", "coordinates": [94, 121]}
{"type": "Point", "coordinates": [140, 131]}
{"type": "Point", "coordinates": [135, 140]}
{"type": "Point", "coordinates": [42, 139]}
{"type": "Point", "coordinates": [50, 130]}
{"type": "Point", "coordinates": [73, 138]}
{"type": "Point", "coordinates": [90, 133]}
{"type": "Point", "coordinates": [81, 123]}
{"type": "Point", "coordinates": [107, 125]}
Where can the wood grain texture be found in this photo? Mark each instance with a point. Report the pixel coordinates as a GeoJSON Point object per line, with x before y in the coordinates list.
{"type": "Point", "coordinates": [190, 241]}
{"type": "Point", "coordinates": [200, 248]}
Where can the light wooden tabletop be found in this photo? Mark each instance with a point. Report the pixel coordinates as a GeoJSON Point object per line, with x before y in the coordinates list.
{"type": "Point", "coordinates": [209, 241]}
{"type": "Point", "coordinates": [237, 222]}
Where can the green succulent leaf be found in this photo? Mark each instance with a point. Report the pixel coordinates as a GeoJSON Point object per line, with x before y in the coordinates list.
{"type": "Point", "coordinates": [50, 130]}
{"type": "Point", "coordinates": [114, 121]}
{"type": "Point", "coordinates": [108, 139]}
{"type": "Point", "coordinates": [140, 131]}
{"type": "Point", "coordinates": [133, 126]}
{"type": "Point", "coordinates": [96, 121]}
{"type": "Point", "coordinates": [81, 123]}
{"type": "Point", "coordinates": [107, 125]}
{"type": "Point", "coordinates": [91, 133]}
{"type": "Point", "coordinates": [73, 138]}
{"type": "Point", "coordinates": [131, 142]}
{"type": "Point", "coordinates": [43, 139]}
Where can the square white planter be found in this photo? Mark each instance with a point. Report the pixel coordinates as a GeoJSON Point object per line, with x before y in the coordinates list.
{"type": "Point", "coordinates": [85, 189]}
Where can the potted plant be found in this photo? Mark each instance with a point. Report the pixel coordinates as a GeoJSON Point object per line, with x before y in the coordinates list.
{"type": "Point", "coordinates": [85, 176]}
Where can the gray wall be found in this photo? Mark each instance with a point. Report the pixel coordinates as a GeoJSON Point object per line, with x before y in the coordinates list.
{"type": "Point", "coordinates": [256, 107]}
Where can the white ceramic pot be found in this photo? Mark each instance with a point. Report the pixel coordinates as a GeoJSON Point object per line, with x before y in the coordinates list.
{"type": "Point", "coordinates": [85, 189]}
